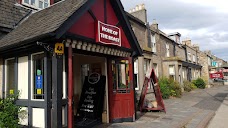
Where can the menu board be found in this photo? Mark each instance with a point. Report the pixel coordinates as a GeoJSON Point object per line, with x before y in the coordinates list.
{"type": "Point", "coordinates": [92, 97]}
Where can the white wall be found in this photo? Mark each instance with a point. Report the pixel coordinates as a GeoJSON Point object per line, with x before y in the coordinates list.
{"type": "Point", "coordinates": [38, 117]}
{"type": "Point", "coordinates": [23, 77]}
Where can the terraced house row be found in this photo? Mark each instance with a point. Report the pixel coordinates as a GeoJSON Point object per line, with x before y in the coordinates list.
{"type": "Point", "coordinates": [79, 62]}
{"type": "Point", "coordinates": [167, 54]}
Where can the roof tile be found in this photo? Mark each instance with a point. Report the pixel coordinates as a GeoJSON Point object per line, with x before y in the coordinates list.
{"type": "Point", "coordinates": [42, 22]}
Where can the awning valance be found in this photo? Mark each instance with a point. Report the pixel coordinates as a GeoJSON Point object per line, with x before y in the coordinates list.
{"type": "Point", "coordinates": [93, 47]}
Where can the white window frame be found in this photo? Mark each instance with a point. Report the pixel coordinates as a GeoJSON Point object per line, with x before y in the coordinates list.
{"type": "Point", "coordinates": [153, 42]}
{"type": "Point", "coordinates": [155, 69]}
{"type": "Point", "coordinates": [193, 58]}
{"type": "Point", "coordinates": [5, 83]}
{"type": "Point", "coordinates": [36, 5]}
{"type": "Point", "coordinates": [136, 69]}
{"type": "Point", "coordinates": [189, 56]}
{"type": "Point", "coordinates": [172, 73]}
{"type": "Point", "coordinates": [167, 50]}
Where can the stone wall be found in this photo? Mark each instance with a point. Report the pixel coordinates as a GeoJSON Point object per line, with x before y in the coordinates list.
{"type": "Point", "coordinates": [204, 62]}
{"type": "Point", "coordinates": [140, 33]}
{"type": "Point", "coordinates": [180, 52]}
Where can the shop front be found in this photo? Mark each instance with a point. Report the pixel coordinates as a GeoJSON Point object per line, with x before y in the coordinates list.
{"type": "Point", "coordinates": [77, 69]}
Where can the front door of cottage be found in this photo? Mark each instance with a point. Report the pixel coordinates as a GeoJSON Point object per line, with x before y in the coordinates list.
{"type": "Point", "coordinates": [121, 92]}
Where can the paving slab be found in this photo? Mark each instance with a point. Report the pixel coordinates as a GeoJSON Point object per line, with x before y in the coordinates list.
{"type": "Point", "coordinates": [194, 110]}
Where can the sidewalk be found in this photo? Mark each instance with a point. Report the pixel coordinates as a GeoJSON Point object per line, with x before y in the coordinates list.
{"type": "Point", "coordinates": [194, 110]}
{"type": "Point", "coordinates": [221, 118]}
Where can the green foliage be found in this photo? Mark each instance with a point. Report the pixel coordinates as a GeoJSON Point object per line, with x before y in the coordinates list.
{"type": "Point", "coordinates": [199, 83]}
{"type": "Point", "coordinates": [165, 90]}
{"type": "Point", "coordinates": [188, 86]}
{"type": "Point", "coordinates": [9, 112]}
{"type": "Point", "coordinates": [169, 88]}
{"type": "Point", "coordinates": [175, 88]}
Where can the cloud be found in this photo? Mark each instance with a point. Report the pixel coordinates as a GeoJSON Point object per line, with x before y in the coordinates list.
{"type": "Point", "coordinates": [203, 21]}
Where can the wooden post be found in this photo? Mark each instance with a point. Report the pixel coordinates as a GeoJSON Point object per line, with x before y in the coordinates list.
{"type": "Point", "coordinates": [70, 88]}
{"type": "Point", "coordinates": [57, 91]}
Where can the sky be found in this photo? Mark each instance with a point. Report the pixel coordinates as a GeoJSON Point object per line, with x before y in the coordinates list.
{"type": "Point", "coordinates": [205, 22]}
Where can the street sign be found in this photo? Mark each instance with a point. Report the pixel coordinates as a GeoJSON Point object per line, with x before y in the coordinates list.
{"type": "Point", "coordinates": [59, 48]}
{"type": "Point", "coordinates": [39, 91]}
{"type": "Point", "coordinates": [39, 82]}
{"type": "Point", "coordinates": [216, 75]}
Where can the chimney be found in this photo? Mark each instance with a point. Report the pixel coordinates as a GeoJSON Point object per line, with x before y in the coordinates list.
{"type": "Point", "coordinates": [196, 46]}
{"type": "Point", "coordinates": [154, 24]}
{"type": "Point", "coordinates": [187, 42]}
{"type": "Point", "coordinates": [139, 11]}
{"type": "Point", "coordinates": [175, 36]}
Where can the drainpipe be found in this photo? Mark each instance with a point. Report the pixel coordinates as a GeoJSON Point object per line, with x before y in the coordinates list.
{"type": "Point", "coordinates": [70, 88]}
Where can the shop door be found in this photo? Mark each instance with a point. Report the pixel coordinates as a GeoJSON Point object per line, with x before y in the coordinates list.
{"type": "Point", "coordinates": [121, 93]}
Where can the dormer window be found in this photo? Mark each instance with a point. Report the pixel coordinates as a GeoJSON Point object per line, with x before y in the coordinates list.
{"type": "Point", "coordinates": [38, 4]}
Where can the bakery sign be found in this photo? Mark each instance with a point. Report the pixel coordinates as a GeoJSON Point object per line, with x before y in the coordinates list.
{"type": "Point", "coordinates": [108, 34]}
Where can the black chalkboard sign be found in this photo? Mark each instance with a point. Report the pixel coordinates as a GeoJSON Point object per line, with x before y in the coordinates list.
{"type": "Point", "coordinates": [92, 97]}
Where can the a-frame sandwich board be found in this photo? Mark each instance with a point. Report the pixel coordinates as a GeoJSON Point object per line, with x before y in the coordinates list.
{"type": "Point", "coordinates": [152, 79]}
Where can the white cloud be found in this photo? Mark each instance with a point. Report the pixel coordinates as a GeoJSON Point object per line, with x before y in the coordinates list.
{"type": "Point", "coordinates": [219, 5]}
{"type": "Point", "coordinates": [203, 21]}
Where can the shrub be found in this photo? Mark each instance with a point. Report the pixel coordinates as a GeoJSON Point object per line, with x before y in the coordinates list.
{"type": "Point", "coordinates": [199, 83]}
{"type": "Point", "coordinates": [9, 112]}
{"type": "Point", "coordinates": [169, 88]}
{"type": "Point", "coordinates": [175, 88]}
{"type": "Point", "coordinates": [187, 86]}
{"type": "Point", "coordinates": [165, 90]}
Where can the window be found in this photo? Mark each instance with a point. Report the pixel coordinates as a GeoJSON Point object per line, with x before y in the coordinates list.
{"type": "Point", "coordinates": [167, 50]}
{"type": "Point", "coordinates": [41, 4]}
{"type": "Point", "coordinates": [193, 58]}
{"type": "Point", "coordinates": [146, 65]}
{"type": "Point", "coordinates": [120, 73]}
{"type": "Point", "coordinates": [155, 69]}
{"type": "Point", "coordinates": [153, 42]}
{"type": "Point", "coordinates": [189, 56]}
{"type": "Point", "coordinates": [171, 72]}
{"type": "Point", "coordinates": [209, 61]}
{"type": "Point", "coordinates": [10, 76]}
{"type": "Point", "coordinates": [136, 76]}
{"type": "Point", "coordinates": [38, 75]}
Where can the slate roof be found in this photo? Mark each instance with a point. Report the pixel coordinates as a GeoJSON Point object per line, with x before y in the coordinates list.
{"type": "Point", "coordinates": [10, 14]}
{"type": "Point", "coordinates": [55, 20]}
{"type": "Point", "coordinates": [42, 22]}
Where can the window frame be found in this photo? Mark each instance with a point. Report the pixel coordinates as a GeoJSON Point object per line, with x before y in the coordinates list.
{"type": "Point", "coordinates": [32, 77]}
{"type": "Point", "coordinates": [136, 68]}
{"type": "Point", "coordinates": [6, 76]}
{"type": "Point", "coordinates": [193, 58]}
{"type": "Point", "coordinates": [36, 5]}
{"type": "Point", "coordinates": [153, 42]}
{"type": "Point", "coordinates": [167, 50]}
{"type": "Point", "coordinates": [189, 56]}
